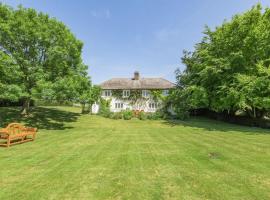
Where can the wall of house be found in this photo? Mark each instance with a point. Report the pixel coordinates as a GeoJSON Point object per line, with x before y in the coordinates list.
{"type": "Point", "coordinates": [140, 105]}
{"type": "Point", "coordinates": [117, 105]}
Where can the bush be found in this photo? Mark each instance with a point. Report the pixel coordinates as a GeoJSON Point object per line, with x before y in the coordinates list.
{"type": "Point", "coordinates": [155, 115]}
{"type": "Point", "coordinates": [116, 115]}
{"type": "Point", "coordinates": [104, 109]}
{"type": "Point", "coordinates": [142, 116]}
{"type": "Point", "coordinates": [127, 115]}
{"type": "Point", "coordinates": [106, 113]}
{"type": "Point", "coordinates": [54, 103]}
{"type": "Point", "coordinates": [182, 114]}
{"type": "Point", "coordinates": [150, 116]}
{"type": "Point", "coordinates": [9, 103]}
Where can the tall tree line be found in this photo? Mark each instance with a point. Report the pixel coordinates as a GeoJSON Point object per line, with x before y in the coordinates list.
{"type": "Point", "coordinates": [229, 70]}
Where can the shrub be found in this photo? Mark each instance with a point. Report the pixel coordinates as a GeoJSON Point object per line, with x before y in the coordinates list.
{"type": "Point", "coordinates": [116, 115]}
{"type": "Point", "coordinates": [106, 113]}
{"type": "Point", "coordinates": [150, 116]}
{"type": "Point", "coordinates": [142, 115]}
{"type": "Point", "coordinates": [155, 115]}
{"type": "Point", "coordinates": [182, 114]}
{"type": "Point", "coordinates": [127, 115]}
{"type": "Point", "coordinates": [104, 109]}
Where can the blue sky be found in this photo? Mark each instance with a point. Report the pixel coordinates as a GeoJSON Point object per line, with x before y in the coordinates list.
{"type": "Point", "coordinates": [121, 36]}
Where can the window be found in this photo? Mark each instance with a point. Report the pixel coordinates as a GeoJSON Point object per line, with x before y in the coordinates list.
{"type": "Point", "coordinates": [107, 93]}
{"type": "Point", "coordinates": [118, 105]}
{"type": "Point", "coordinates": [126, 93]}
{"type": "Point", "coordinates": [165, 92]}
{"type": "Point", "coordinates": [152, 105]}
{"type": "Point", "coordinates": [145, 93]}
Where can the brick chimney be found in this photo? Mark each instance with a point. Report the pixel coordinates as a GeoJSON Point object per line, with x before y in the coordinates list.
{"type": "Point", "coordinates": [136, 75]}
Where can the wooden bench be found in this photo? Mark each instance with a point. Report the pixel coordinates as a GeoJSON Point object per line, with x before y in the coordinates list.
{"type": "Point", "coordinates": [16, 133]}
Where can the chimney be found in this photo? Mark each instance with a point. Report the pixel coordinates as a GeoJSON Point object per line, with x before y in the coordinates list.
{"type": "Point", "coordinates": [136, 75]}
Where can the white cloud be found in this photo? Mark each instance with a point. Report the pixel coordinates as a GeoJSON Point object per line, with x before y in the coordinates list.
{"type": "Point", "coordinates": [102, 14]}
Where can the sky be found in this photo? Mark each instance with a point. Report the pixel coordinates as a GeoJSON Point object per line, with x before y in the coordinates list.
{"type": "Point", "coordinates": [149, 36]}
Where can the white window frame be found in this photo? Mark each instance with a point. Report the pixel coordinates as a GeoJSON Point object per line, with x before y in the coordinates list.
{"type": "Point", "coordinates": [126, 93]}
{"type": "Point", "coordinates": [152, 105]}
{"type": "Point", "coordinates": [165, 92]}
{"type": "Point", "coordinates": [145, 93]}
{"type": "Point", "coordinates": [107, 93]}
{"type": "Point", "coordinates": [118, 105]}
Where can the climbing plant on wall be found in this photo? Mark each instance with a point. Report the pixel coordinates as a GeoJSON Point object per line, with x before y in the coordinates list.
{"type": "Point", "coordinates": [136, 97]}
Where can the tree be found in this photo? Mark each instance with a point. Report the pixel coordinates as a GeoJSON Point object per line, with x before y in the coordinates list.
{"type": "Point", "coordinates": [95, 94]}
{"type": "Point", "coordinates": [37, 54]}
{"type": "Point", "coordinates": [230, 68]}
{"type": "Point", "coordinates": [86, 93]}
{"type": "Point", "coordinates": [9, 88]}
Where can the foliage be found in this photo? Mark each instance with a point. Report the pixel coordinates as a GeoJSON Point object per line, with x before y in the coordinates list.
{"type": "Point", "coordinates": [127, 114]}
{"type": "Point", "coordinates": [104, 108]}
{"type": "Point", "coordinates": [39, 57]}
{"type": "Point", "coordinates": [118, 94]}
{"type": "Point", "coordinates": [155, 115]}
{"type": "Point", "coordinates": [53, 103]}
{"type": "Point", "coordinates": [87, 94]}
{"type": "Point", "coordinates": [142, 116]}
{"type": "Point", "coordinates": [229, 70]}
{"type": "Point", "coordinates": [187, 98]}
{"type": "Point", "coordinates": [136, 96]}
{"type": "Point", "coordinates": [116, 115]}
{"type": "Point", "coordinates": [157, 95]}
{"type": "Point", "coordinates": [7, 103]}
{"type": "Point", "coordinates": [94, 96]}
{"type": "Point", "coordinates": [137, 100]}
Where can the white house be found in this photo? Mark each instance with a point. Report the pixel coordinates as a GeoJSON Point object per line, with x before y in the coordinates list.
{"type": "Point", "coordinates": [134, 93]}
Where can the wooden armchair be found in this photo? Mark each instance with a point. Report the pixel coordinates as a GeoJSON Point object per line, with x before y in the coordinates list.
{"type": "Point", "coordinates": [16, 133]}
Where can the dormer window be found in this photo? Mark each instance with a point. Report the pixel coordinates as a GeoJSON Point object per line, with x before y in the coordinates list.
{"type": "Point", "coordinates": [107, 93]}
{"type": "Point", "coordinates": [145, 93]}
{"type": "Point", "coordinates": [126, 93]}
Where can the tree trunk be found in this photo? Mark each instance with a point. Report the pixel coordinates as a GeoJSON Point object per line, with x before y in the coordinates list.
{"type": "Point", "coordinates": [256, 113]}
{"type": "Point", "coordinates": [26, 106]}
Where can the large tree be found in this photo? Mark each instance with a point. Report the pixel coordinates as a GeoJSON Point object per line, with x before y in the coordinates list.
{"type": "Point", "coordinates": [229, 69]}
{"type": "Point", "coordinates": [38, 53]}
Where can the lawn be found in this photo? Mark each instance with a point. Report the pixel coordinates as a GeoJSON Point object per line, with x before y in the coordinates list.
{"type": "Point", "coordinates": [89, 157]}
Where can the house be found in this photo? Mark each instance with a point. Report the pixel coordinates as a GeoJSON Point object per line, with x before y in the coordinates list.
{"type": "Point", "coordinates": [135, 93]}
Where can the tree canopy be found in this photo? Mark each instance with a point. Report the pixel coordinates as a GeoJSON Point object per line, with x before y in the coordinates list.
{"type": "Point", "coordinates": [229, 70]}
{"type": "Point", "coordinates": [39, 57]}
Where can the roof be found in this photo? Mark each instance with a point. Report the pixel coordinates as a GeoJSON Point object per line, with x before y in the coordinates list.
{"type": "Point", "coordinates": [141, 83]}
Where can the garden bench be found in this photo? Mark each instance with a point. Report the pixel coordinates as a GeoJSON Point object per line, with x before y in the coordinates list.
{"type": "Point", "coordinates": [16, 133]}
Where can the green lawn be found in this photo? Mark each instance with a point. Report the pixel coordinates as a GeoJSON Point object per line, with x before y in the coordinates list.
{"type": "Point", "coordinates": [89, 157]}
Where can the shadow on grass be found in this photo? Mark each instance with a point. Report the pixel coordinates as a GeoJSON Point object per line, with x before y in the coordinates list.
{"type": "Point", "coordinates": [40, 117]}
{"type": "Point", "coordinates": [215, 125]}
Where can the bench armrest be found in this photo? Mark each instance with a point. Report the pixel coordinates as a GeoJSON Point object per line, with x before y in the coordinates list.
{"type": "Point", "coordinates": [4, 131]}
